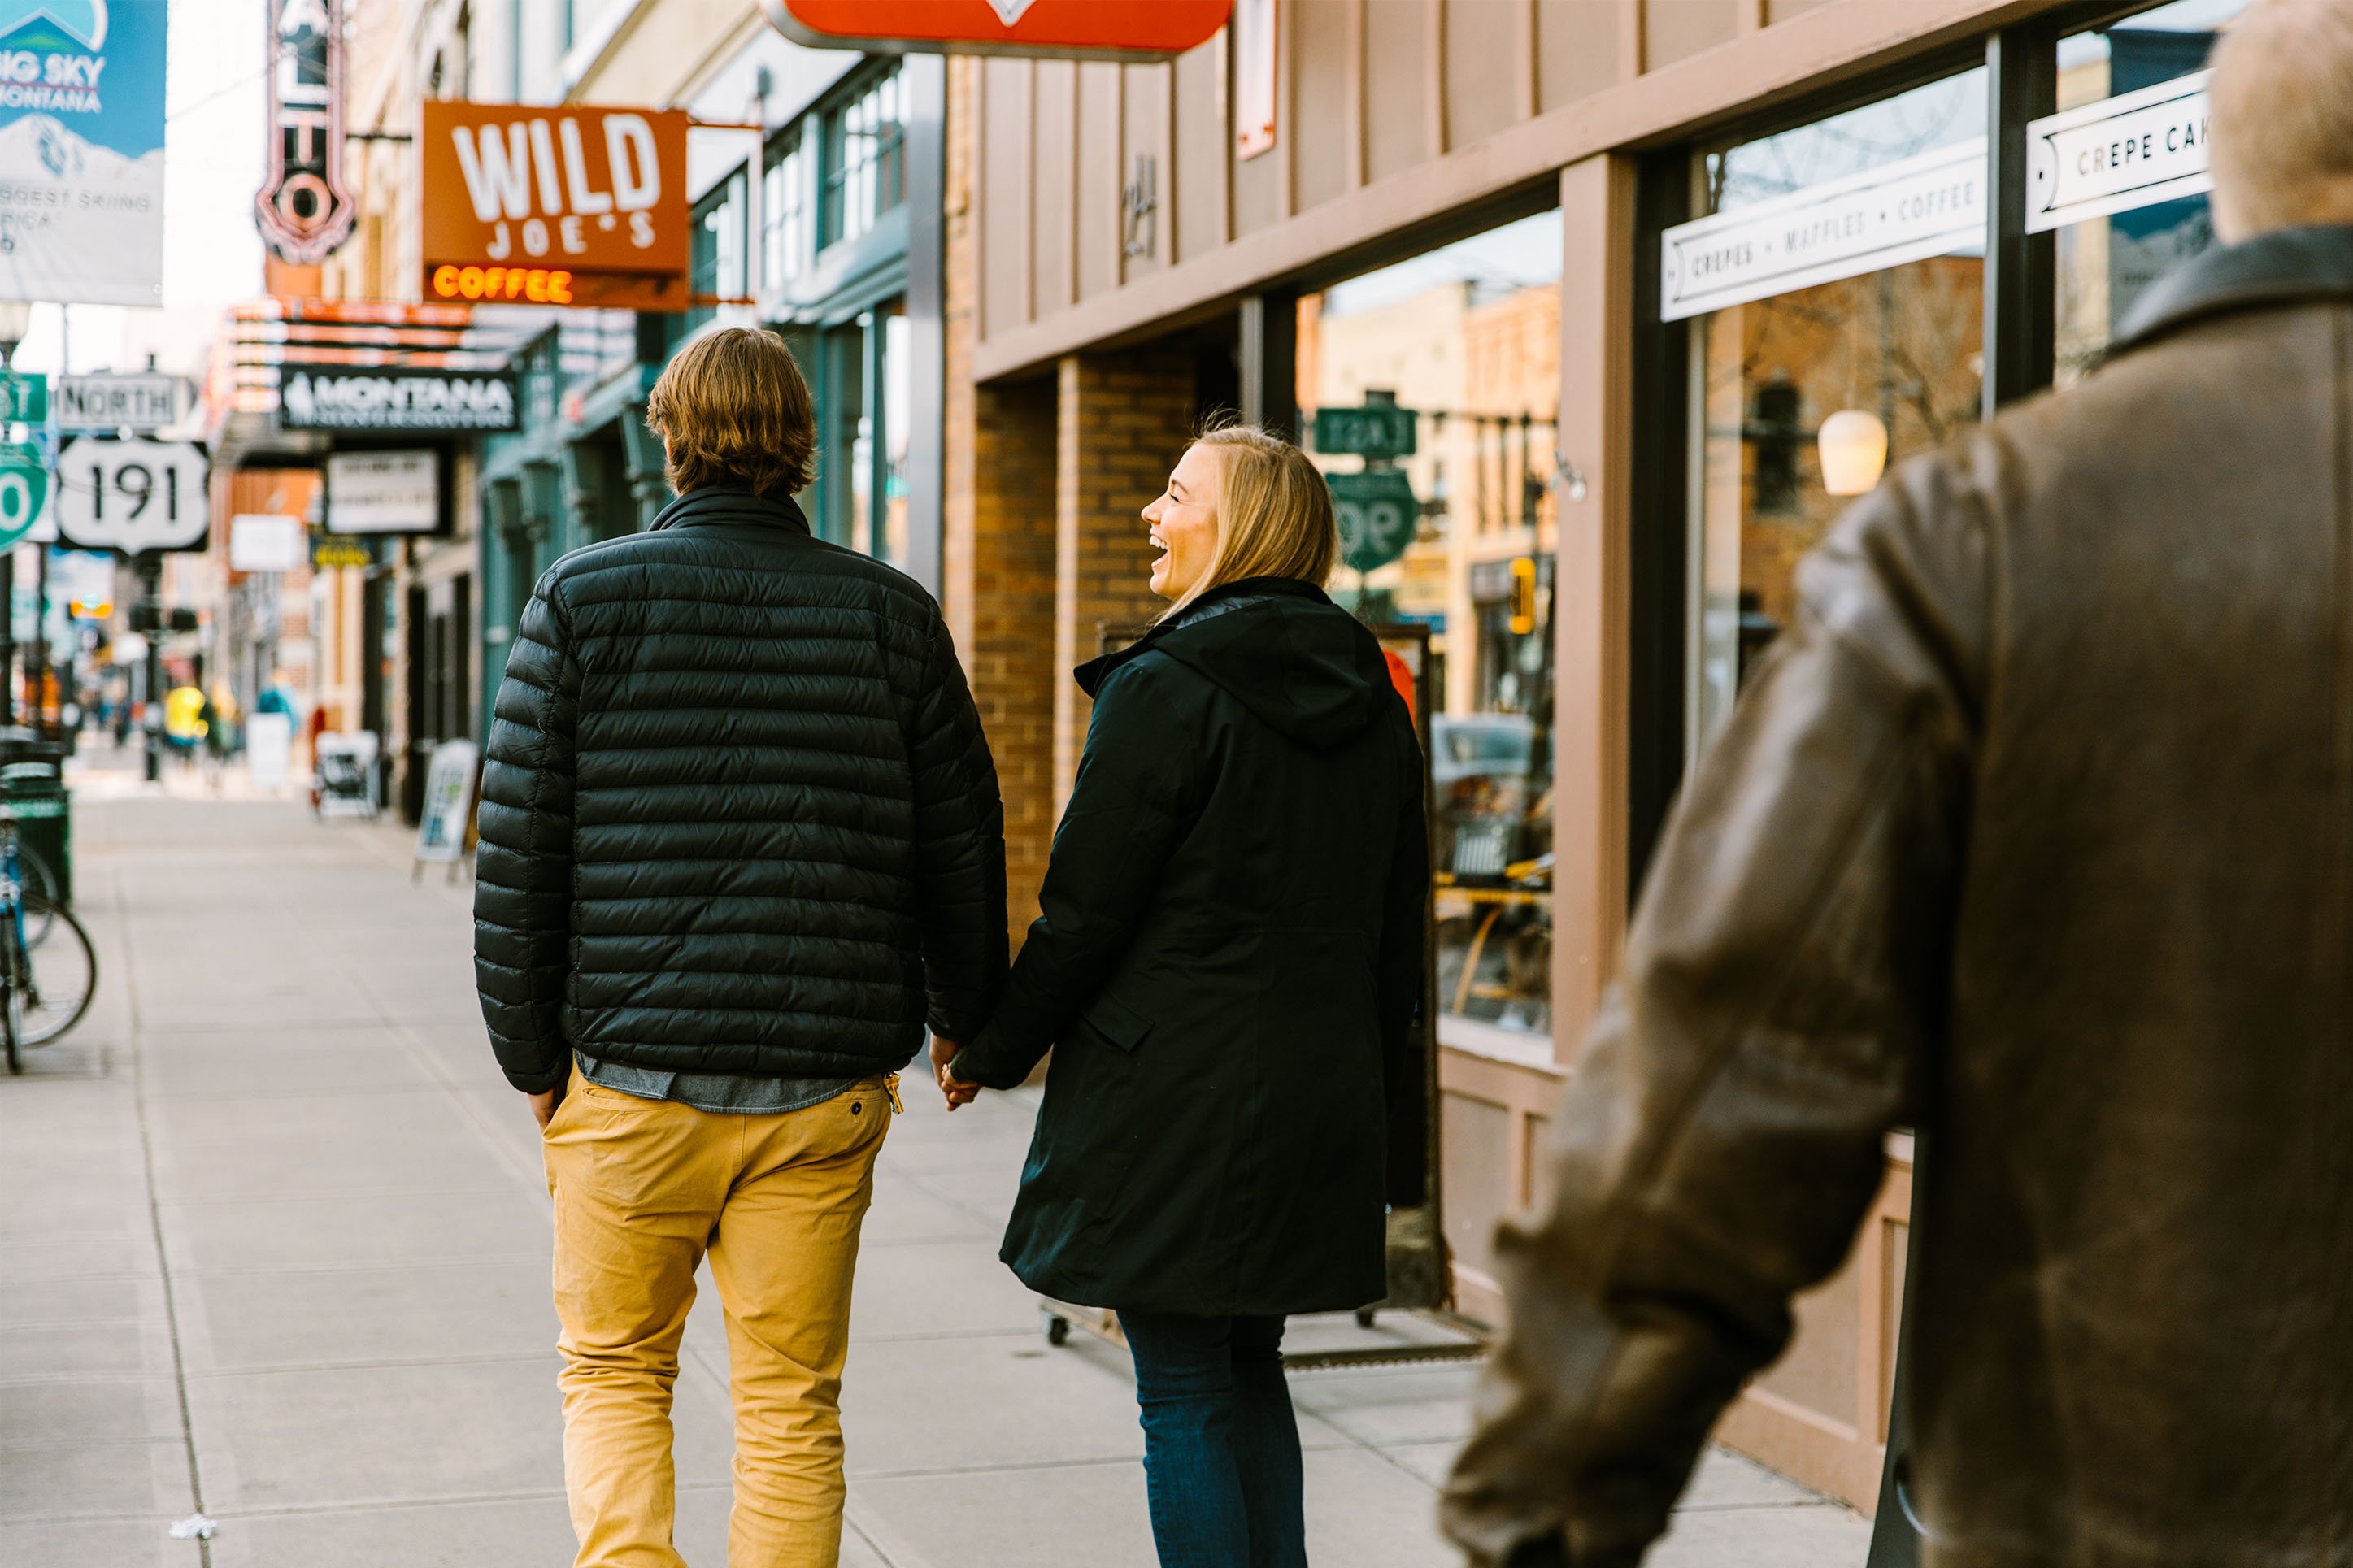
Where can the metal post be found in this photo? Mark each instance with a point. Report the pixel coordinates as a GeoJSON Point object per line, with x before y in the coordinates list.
{"type": "Point", "coordinates": [42, 660]}
{"type": "Point", "coordinates": [9, 640]}
{"type": "Point", "coordinates": [1269, 356]}
{"type": "Point", "coordinates": [150, 573]}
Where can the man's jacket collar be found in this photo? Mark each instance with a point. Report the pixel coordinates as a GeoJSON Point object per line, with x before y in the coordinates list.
{"type": "Point", "coordinates": [714, 506]}
{"type": "Point", "coordinates": [2287, 266]}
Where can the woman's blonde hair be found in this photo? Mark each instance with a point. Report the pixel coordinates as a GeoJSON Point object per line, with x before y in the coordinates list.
{"type": "Point", "coordinates": [1274, 512]}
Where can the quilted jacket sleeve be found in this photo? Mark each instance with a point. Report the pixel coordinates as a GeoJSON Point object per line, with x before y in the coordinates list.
{"type": "Point", "coordinates": [1405, 932]}
{"type": "Point", "coordinates": [959, 847]}
{"type": "Point", "coordinates": [1125, 819]}
{"type": "Point", "coordinates": [1785, 977]}
{"type": "Point", "coordinates": [523, 889]}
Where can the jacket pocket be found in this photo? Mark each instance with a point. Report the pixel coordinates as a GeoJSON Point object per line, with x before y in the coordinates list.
{"type": "Point", "coordinates": [1116, 1022]}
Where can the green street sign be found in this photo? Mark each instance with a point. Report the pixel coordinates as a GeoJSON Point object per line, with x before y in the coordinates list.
{"type": "Point", "coordinates": [1374, 431]}
{"type": "Point", "coordinates": [25, 398]}
{"type": "Point", "coordinates": [24, 490]}
{"type": "Point", "coordinates": [1376, 513]}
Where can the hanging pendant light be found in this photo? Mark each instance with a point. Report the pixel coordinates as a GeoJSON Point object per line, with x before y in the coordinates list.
{"type": "Point", "coordinates": [1855, 452]}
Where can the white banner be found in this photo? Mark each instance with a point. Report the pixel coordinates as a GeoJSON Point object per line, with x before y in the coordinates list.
{"type": "Point", "coordinates": [81, 150]}
{"type": "Point", "coordinates": [266, 541]}
{"type": "Point", "coordinates": [384, 492]}
{"type": "Point", "coordinates": [2131, 151]}
{"type": "Point", "coordinates": [1928, 205]}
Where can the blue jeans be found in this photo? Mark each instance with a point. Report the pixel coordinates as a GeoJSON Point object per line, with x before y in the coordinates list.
{"type": "Point", "coordinates": [1221, 1446]}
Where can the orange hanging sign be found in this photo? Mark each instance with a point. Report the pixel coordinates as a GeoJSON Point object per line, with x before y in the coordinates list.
{"type": "Point", "coordinates": [559, 205]}
{"type": "Point", "coordinates": [1083, 29]}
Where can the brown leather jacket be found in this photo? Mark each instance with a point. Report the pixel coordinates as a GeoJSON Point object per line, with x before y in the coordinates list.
{"type": "Point", "coordinates": [2036, 829]}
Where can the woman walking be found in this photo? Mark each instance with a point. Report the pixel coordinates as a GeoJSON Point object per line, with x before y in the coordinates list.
{"type": "Point", "coordinates": [1226, 965]}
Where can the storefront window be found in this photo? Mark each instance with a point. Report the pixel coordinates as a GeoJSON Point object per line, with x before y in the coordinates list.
{"type": "Point", "coordinates": [2105, 77]}
{"type": "Point", "coordinates": [866, 159]}
{"type": "Point", "coordinates": [1429, 392]}
{"type": "Point", "coordinates": [716, 246]}
{"type": "Point", "coordinates": [845, 450]}
{"type": "Point", "coordinates": [1836, 288]}
{"type": "Point", "coordinates": [788, 196]}
{"type": "Point", "coordinates": [897, 412]}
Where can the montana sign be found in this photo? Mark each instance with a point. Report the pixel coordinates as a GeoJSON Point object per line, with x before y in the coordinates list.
{"type": "Point", "coordinates": [318, 398]}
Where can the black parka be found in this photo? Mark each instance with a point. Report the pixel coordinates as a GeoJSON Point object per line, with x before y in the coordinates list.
{"type": "Point", "coordinates": [1226, 965]}
{"type": "Point", "coordinates": [738, 815]}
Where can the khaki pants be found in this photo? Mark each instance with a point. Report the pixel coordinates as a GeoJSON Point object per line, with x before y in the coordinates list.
{"type": "Point", "coordinates": [642, 1189]}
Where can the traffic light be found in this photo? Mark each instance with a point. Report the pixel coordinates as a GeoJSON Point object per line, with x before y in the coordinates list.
{"type": "Point", "coordinates": [1523, 596]}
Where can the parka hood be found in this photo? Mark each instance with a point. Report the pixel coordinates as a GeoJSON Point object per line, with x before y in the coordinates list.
{"type": "Point", "coordinates": [1281, 648]}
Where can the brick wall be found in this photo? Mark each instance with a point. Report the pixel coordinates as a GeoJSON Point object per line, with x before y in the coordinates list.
{"type": "Point", "coordinates": [997, 552]}
{"type": "Point", "coordinates": [1125, 419]}
{"type": "Point", "coordinates": [1043, 547]}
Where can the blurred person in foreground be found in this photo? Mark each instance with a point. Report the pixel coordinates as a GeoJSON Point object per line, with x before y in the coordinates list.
{"type": "Point", "coordinates": [2036, 831]}
{"type": "Point", "coordinates": [741, 839]}
{"type": "Point", "coordinates": [1226, 965]}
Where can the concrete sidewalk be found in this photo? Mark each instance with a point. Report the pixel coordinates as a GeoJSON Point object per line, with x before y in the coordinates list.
{"type": "Point", "coordinates": [274, 1243]}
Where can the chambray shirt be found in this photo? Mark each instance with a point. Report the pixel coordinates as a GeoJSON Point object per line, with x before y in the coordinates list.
{"type": "Point", "coordinates": [721, 1093]}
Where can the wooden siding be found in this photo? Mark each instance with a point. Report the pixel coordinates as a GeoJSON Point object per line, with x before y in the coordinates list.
{"type": "Point", "coordinates": [1389, 112]}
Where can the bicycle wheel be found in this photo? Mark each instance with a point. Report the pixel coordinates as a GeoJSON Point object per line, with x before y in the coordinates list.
{"type": "Point", "coordinates": [32, 872]}
{"type": "Point", "coordinates": [60, 974]}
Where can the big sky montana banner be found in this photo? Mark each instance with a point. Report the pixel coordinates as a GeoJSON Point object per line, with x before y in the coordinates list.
{"type": "Point", "coordinates": [81, 150]}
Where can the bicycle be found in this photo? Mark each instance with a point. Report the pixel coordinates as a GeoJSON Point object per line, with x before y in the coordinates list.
{"type": "Point", "coordinates": [48, 969]}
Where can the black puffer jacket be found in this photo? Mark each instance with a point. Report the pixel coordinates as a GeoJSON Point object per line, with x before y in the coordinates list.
{"type": "Point", "coordinates": [738, 815]}
{"type": "Point", "coordinates": [1226, 964]}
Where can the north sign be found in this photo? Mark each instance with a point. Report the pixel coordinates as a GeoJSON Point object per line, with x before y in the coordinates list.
{"type": "Point", "coordinates": [105, 400]}
{"type": "Point", "coordinates": [1377, 514]}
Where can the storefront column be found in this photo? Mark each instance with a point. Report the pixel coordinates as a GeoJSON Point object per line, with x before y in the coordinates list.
{"type": "Point", "coordinates": [1122, 421]}
{"type": "Point", "coordinates": [1589, 810]}
{"type": "Point", "coordinates": [999, 596]}
{"type": "Point", "coordinates": [643, 457]}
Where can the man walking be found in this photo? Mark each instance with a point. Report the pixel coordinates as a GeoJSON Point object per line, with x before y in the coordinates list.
{"type": "Point", "coordinates": [2036, 830]}
{"type": "Point", "coordinates": [741, 840]}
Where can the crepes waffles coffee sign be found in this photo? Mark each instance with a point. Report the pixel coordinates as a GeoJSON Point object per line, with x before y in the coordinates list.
{"type": "Point", "coordinates": [454, 401]}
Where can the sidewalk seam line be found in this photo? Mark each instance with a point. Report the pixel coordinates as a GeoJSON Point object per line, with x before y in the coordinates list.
{"type": "Point", "coordinates": [156, 1220]}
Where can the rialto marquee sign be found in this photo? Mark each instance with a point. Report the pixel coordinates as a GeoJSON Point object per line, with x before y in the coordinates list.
{"type": "Point", "coordinates": [2132, 150]}
{"type": "Point", "coordinates": [574, 205]}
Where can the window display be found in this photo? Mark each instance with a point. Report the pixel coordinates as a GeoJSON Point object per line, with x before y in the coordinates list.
{"type": "Point", "coordinates": [1842, 266]}
{"type": "Point", "coordinates": [1429, 392]}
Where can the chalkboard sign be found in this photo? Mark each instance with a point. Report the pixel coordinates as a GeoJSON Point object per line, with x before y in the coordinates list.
{"type": "Point", "coordinates": [448, 804]}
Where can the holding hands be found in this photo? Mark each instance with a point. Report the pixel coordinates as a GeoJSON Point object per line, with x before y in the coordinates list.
{"type": "Point", "coordinates": [957, 1092]}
